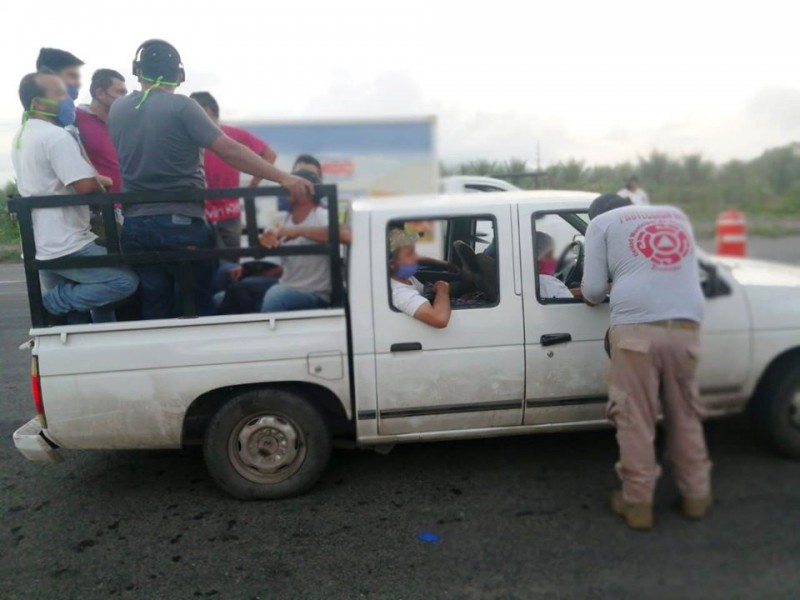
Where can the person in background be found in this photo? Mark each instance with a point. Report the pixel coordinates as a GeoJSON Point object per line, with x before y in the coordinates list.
{"type": "Point", "coordinates": [407, 290]}
{"type": "Point", "coordinates": [92, 120]}
{"type": "Point", "coordinates": [159, 136]}
{"type": "Point", "coordinates": [648, 253]}
{"type": "Point", "coordinates": [48, 161]}
{"type": "Point", "coordinates": [633, 192]}
{"type": "Point", "coordinates": [549, 285]}
{"type": "Point", "coordinates": [306, 280]}
{"type": "Point", "coordinates": [225, 214]}
{"type": "Point", "coordinates": [65, 65]}
{"type": "Point", "coordinates": [304, 162]}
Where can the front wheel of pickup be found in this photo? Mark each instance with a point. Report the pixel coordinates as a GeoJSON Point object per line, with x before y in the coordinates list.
{"type": "Point", "coordinates": [776, 410]}
{"type": "Point", "coordinates": [267, 444]}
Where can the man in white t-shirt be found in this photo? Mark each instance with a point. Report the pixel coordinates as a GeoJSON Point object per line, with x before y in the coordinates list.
{"type": "Point", "coordinates": [306, 280]}
{"type": "Point", "coordinates": [646, 256]}
{"type": "Point", "coordinates": [549, 285]}
{"type": "Point", "coordinates": [48, 161]}
{"type": "Point", "coordinates": [407, 290]}
{"type": "Point", "coordinates": [633, 192]}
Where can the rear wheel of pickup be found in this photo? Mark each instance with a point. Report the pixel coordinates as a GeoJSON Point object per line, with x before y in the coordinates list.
{"type": "Point", "coordinates": [776, 410]}
{"type": "Point", "coordinates": [267, 444]}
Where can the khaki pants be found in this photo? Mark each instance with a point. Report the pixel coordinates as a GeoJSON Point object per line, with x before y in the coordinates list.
{"type": "Point", "coordinates": [647, 363]}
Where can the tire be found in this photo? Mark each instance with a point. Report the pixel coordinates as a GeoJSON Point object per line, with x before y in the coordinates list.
{"type": "Point", "coordinates": [266, 445]}
{"type": "Point", "coordinates": [775, 410]}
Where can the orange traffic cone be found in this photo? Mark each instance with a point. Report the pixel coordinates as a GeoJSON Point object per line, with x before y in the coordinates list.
{"type": "Point", "coordinates": [731, 233]}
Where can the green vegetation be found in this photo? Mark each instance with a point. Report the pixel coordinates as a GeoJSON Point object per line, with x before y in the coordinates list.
{"type": "Point", "coordinates": [9, 234]}
{"type": "Point", "coordinates": [766, 188]}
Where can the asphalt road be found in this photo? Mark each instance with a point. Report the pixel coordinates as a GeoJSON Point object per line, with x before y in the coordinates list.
{"type": "Point", "coordinates": [517, 518]}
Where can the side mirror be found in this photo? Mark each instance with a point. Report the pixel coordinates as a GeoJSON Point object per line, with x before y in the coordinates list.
{"type": "Point", "coordinates": [712, 284]}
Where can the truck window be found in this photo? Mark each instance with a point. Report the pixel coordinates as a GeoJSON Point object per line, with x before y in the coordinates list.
{"type": "Point", "coordinates": [558, 246]}
{"type": "Point", "coordinates": [461, 251]}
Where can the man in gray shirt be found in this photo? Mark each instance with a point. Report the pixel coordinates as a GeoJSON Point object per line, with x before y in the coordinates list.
{"type": "Point", "coordinates": [645, 255]}
{"type": "Point", "coordinates": [159, 137]}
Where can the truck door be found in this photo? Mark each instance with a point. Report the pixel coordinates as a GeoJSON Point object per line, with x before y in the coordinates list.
{"type": "Point", "coordinates": [566, 362]}
{"type": "Point", "coordinates": [469, 375]}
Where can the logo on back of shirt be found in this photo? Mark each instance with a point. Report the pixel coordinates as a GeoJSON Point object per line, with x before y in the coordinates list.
{"type": "Point", "coordinates": [665, 244]}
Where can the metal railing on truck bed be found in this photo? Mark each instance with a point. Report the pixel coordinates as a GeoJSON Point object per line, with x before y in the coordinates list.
{"type": "Point", "coordinates": [23, 209]}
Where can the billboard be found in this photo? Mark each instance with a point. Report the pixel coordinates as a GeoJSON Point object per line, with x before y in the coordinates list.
{"type": "Point", "coordinates": [363, 157]}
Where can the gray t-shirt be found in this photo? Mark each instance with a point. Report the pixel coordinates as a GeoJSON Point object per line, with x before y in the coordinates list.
{"type": "Point", "coordinates": [160, 148]}
{"type": "Point", "coordinates": [310, 273]}
{"type": "Point", "coordinates": [647, 253]}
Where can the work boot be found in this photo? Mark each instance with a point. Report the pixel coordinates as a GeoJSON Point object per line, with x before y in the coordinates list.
{"type": "Point", "coordinates": [696, 508]}
{"type": "Point", "coordinates": [637, 515]}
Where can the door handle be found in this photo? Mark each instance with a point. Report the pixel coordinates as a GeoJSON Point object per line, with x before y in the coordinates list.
{"type": "Point", "coordinates": [551, 339]}
{"type": "Point", "coordinates": [406, 347]}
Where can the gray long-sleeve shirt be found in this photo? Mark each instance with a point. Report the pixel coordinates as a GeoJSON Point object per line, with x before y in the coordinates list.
{"type": "Point", "coordinates": [646, 256]}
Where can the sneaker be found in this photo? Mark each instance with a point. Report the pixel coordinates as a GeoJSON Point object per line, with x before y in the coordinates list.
{"type": "Point", "coordinates": [636, 515]}
{"type": "Point", "coordinates": [696, 508]}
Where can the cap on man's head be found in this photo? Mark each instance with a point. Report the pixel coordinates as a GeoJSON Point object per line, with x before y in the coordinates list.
{"type": "Point", "coordinates": [606, 202]}
{"type": "Point", "coordinates": [631, 179]}
{"type": "Point", "coordinates": [399, 238]}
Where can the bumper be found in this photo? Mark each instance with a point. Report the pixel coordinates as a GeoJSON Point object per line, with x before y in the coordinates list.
{"type": "Point", "coordinates": [31, 443]}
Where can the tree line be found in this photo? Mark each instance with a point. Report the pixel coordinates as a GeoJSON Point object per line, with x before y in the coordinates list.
{"type": "Point", "coordinates": [766, 185]}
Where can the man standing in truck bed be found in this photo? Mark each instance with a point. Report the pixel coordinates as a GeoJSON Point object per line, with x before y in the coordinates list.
{"type": "Point", "coordinates": [159, 136]}
{"type": "Point", "coordinates": [648, 254]}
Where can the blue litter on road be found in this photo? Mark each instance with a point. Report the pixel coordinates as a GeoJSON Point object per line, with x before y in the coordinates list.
{"type": "Point", "coordinates": [429, 537]}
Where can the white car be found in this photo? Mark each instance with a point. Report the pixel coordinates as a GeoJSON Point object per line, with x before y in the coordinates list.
{"type": "Point", "coordinates": [267, 394]}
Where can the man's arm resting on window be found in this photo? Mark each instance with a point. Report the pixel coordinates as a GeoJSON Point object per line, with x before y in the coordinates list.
{"type": "Point", "coordinates": [437, 314]}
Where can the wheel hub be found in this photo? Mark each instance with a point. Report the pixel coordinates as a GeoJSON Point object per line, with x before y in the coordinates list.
{"type": "Point", "coordinates": [268, 444]}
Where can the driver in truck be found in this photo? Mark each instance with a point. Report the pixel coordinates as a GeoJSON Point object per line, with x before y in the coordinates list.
{"type": "Point", "coordinates": [407, 290]}
{"type": "Point", "coordinates": [550, 286]}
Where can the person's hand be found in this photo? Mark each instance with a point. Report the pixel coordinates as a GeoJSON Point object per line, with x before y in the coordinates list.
{"type": "Point", "coordinates": [106, 182]}
{"type": "Point", "coordinates": [269, 239]}
{"type": "Point", "coordinates": [441, 287]}
{"type": "Point", "coordinates": [298, 187]}
{"type": "Point", "coordinates": [236, 273]}
{"type": "Point", "coordinates": [254, 182]}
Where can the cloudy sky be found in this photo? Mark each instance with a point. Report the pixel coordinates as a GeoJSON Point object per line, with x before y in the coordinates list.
{"type": "Point", "coordinates": [598, 81]}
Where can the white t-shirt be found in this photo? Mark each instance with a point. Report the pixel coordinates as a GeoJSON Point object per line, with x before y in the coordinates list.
{"type": "Point", "coordinates": [553, 287]}
{"type": "Point", "coordinates": [311, 273]}
{"type": "Point", "coordinates": [639, 197]}
{"type": "Point", "coordinates": [407, 297]}
{"type": "Point", "coordinates": [47, 160]}
{"type": "Point", "coordinates": [648, 253]}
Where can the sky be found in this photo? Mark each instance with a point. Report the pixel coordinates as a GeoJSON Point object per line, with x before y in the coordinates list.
{"type": "Point", "coordinates": [597, 81]}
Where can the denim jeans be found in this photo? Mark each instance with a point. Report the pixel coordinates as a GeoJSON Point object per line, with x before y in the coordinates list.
{"type": "Point", "coordinates": [280, 298]}
{"type": "Point", "coordinates": [83, 290]}
{"type": "Point", "coordinates": [160, 282]}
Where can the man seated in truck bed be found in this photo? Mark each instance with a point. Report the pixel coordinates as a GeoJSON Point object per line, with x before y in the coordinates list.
{"type": "Point", "coordinates": [407, 290]}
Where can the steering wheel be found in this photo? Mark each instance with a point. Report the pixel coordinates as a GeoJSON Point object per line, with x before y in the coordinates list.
{"type": "Point", "coordinates": [567, 270]}
{"type": "Point", "coordinates": [478, 269]}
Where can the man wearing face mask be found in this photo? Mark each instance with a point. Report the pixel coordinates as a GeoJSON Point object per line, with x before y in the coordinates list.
{"type": "Point", "coordinates": [159, 136]}
{"type": "Point", "coordinates": [48, 161]}
{"type": "Point", "coordinates": [65, 65]}
{"type": "Point", "coordinates": [92, 121]}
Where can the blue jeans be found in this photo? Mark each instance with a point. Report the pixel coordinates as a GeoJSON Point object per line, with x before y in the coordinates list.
{"type": "Point", "coordinates": [160, 282]}
{"type": "Point", "coordinates": [83, 290]}
{"type": "Point", "coordinates": [280, 298]}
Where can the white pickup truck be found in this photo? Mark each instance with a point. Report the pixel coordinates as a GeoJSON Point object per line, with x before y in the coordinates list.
{"type": "Point", "coordinates": [268, 394]}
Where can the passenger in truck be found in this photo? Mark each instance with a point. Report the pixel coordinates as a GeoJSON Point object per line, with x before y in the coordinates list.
{"type": "Point", "coordinates": [550, 286]}
{"type": "Point", "coordinates": [407, 290]}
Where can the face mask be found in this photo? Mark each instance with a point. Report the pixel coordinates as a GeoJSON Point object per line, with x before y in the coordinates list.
{"type": "Point", "coordinates": [406, 271]}
{"type": "Point", "coordinates": [65, 111]}
{"type": "Point", "coordinates": [547, 266]}
{"type": "Point", "coordinates": [72, 90]}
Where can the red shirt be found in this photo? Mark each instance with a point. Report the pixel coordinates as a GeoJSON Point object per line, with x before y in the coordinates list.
{"type": "Point", "coordinates": [220, 174]}
{"type": "Point", "coordinates": [97, 142]}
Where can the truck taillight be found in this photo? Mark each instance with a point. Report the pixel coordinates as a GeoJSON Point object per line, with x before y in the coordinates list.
{"type": "Point", "coordinates": [36, 388]}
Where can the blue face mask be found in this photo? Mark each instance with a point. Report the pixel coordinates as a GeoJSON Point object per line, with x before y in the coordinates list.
{"type": "Point", "coordinates": [64, 110]}
{"type": "Point", "coordinates": [406, 271]}
{"type": "Point", "coordinates": [72, 90]}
